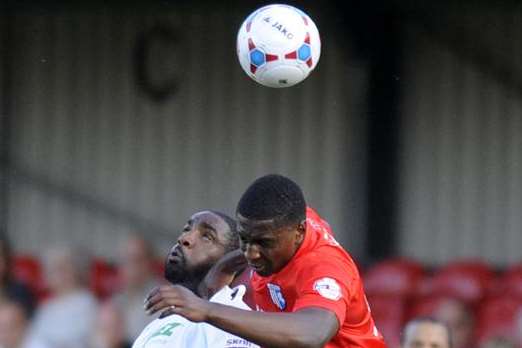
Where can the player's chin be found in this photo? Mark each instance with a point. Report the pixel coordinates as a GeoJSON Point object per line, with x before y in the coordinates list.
{"type": "Point", "coordinates": [173, 274]}
{"type": "Point", "coordinates": [262, 270]}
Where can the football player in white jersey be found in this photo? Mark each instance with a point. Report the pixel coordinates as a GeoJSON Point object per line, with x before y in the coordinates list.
{"type": "Point", "coordinates": [207, 236]}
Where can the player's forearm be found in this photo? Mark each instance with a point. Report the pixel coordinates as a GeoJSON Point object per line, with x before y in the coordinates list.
{"type": "Point", "coordinates": [306, 329]}
{"type": "Point", "coordinates": [222, 273]}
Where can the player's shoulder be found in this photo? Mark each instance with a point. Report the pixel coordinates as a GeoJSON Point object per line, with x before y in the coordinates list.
{"type": "Point", "coordinates": [327, 254]}
{"type": "Point", "coordinates": [329, 260]}
{"type": "Point", "coordinates": [170, 319]}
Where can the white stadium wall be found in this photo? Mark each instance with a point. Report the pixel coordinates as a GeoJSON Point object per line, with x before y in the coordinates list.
{"type": "Point", "coordinates": [94, 158]}
{"type": "Point", "coordinates": [461, 142]}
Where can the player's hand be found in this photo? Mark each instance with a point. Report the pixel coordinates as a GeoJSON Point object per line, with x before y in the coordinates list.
{"type": "Point", "coordinates": [178, 300]}
{"type": "Point", "coordinates": [222, 273]}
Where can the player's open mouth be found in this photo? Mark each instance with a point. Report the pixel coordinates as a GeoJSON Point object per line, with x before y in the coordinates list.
{"type": "Point", "coordinates": [176, 256]}
{"type": "Point", "coordinates": [256, 268]}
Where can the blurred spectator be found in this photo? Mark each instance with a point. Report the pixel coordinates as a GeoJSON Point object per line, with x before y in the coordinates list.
{"type": "Point", "coordinates": [139, 277]}
{"type": "Point", "coordinates": [498, 342]}
{"type": "Point", "coordinates": [518, 326]}
{"type": "Point", "coordinates": [66, 320]}
{"type": "Point", "coordinates": [459, 318]}
{"type": "Point", "coordinates": [13, 324]}
{"type": "Point", "coordinates": [425, 332]}
{"type": "Point", "coordinates": [110, 328]}
{"type": "Point", "coordinates": [9, 288]}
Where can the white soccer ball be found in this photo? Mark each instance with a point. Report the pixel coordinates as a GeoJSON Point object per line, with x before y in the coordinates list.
{"type": "Point", "coordinates": [278, 45]}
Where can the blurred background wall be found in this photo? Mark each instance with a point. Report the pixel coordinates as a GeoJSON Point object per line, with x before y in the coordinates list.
{"type": "Point", "coordinates": [129, 117]}
{"type": "Point", "coordinates": [96, 152]}
{"type": "Point", "coordinates": [461, 134]}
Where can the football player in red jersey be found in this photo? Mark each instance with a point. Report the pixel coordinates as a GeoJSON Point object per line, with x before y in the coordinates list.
{"type": "Point", "coordinates": [307, 287]}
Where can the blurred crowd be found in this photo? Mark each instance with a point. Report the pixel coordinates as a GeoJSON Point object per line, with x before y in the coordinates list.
{"type": "Point", "coordinates": [66, 299]}
{"type": "Point", "coordinates": [480, 305]}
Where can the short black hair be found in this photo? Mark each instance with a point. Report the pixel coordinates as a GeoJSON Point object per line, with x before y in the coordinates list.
{"type": "Point", "coordinates": [233, 236]}
{"type": "Point", "coordinates": [273, 197]}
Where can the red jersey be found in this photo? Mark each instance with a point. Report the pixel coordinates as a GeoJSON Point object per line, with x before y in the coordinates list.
{"type": "Point", "coordinates": [321, 274]}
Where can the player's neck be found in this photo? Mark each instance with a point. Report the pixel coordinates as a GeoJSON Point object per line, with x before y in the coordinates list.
{"type": "Point", "coordinates": [191, 284]}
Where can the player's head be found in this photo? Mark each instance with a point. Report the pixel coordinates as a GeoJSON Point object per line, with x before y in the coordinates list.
{"type": "Point", "coordinates": [206, 237]}
{"type": "Point", "coordinates": [426, 332]}
{"type": "Point", "coordinates": [272, 222]}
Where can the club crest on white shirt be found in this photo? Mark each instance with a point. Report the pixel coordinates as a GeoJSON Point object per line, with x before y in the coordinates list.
{"type": "Point", "coordinates": [328, 288]}
{"type": "Point", "coordinates": [277, 296]}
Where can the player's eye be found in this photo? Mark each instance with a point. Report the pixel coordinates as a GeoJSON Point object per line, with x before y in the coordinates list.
{"type": "Point", "coordinates": [267, 244]}
{"type": "Point", "coordinates": [208, 236]}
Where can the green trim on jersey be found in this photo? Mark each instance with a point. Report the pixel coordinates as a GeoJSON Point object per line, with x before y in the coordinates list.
{"type": "Point", "coordinates": [165, 330]}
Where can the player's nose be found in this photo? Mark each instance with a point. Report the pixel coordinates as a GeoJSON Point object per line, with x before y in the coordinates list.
{"type": "Point", "coordinates": [251, 252]}
{"type": "Point", "coordinates": [186, 239]}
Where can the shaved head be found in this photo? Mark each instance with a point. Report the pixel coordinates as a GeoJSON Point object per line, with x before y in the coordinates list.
{"type": "Point", "coordinates": [426, 333]}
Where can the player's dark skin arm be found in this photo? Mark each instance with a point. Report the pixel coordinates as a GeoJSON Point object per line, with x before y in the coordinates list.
{"type": "Point", "coordinates": [306, 328]}
{"type": "Point", "coordinates": [222, 273]}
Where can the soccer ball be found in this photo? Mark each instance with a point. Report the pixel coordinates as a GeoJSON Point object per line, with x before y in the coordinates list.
{"type": "Point", "coordinates": [278, 46]}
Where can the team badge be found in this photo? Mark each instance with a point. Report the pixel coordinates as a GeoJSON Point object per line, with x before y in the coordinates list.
{"type": "Point", "coordinates": [277, 296]}
{"type": "Point", "coordinates": [328, 288]}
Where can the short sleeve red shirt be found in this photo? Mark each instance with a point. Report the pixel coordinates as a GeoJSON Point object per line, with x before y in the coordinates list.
{"type": "Point", "coordinates": [321, 274]}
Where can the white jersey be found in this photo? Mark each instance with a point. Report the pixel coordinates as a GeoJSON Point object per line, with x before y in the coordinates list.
{"type": "Point", "coordinates": [174, 331]}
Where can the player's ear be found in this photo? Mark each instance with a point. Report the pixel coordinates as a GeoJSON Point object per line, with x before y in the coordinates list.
{"type": "Point", "coordinates": [301, 229]}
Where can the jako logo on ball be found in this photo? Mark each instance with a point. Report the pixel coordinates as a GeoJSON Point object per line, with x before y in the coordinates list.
{"type": "Point", "coordinates": [278, 46]}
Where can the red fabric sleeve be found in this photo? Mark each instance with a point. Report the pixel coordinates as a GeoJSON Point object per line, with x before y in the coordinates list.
{"type": "Point", "coordinates": [324, 285]}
